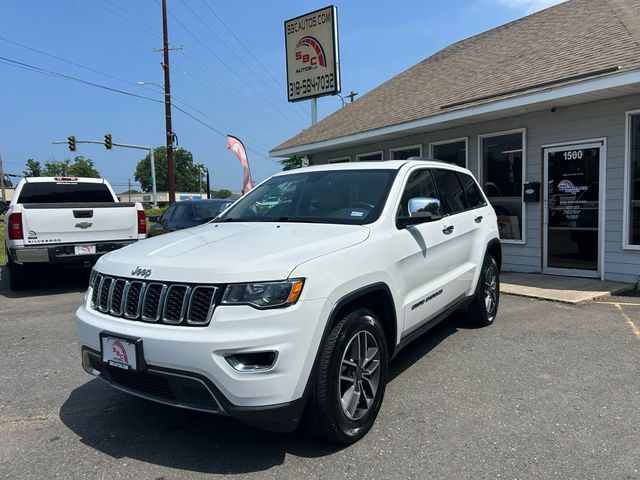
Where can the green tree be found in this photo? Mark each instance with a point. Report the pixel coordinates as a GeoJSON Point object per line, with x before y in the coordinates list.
{"type": "Point", "coordinates": [189, 175]}
{"type": "Point", "coordinates": [56, 168]}
{"type": "Point", "coordinates": [291, 163]}
{"type": "Point", "coordinates": [83, 167]}
{"type": "Point", "coordinates": [34, 169]}
{"type": "Point", "coordinates": [222, 193]}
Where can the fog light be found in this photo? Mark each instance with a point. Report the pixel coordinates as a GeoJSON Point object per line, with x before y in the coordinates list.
{"type": "Point", "coordinates": [253, 361]}
{"type": "Point", "coordinates": [68, 250]}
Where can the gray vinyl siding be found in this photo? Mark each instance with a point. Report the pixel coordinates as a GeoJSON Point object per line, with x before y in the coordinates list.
{"type": "Point", "coordinates": [601, 119]}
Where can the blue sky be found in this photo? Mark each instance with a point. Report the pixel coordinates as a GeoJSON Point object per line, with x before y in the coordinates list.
{"type": "Point", "coordinates": [214, 77]}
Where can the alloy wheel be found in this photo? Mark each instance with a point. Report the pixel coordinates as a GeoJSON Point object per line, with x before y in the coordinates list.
{"type": "Point", "coordinates": [359, 375]}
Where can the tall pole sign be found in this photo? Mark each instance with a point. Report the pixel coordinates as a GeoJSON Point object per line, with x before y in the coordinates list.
{"type": "Point", "coordinates": [313, 64]}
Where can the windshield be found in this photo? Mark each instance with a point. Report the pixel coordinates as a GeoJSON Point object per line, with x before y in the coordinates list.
{"type": "Point", "coordinates": [205, 209]}
{"type": "Point", "coordinates": [354, 197]}
{"type": "Point", "coordinates": [65, 192]}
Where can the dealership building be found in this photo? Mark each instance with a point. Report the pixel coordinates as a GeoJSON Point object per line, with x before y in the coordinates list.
{"type": "Point", "coordinates": [544, 111]}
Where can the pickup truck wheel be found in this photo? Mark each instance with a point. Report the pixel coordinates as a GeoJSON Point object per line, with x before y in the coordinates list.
{"type": "Point", "coordinates": [351, 379]}
{"type": "Point", "coordinates": [18, 275]}
{"type": "Point", "coordinates": [487, 297]}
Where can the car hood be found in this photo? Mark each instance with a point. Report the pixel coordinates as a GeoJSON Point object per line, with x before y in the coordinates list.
{"type": "Point", "coordinates": [230, 252]}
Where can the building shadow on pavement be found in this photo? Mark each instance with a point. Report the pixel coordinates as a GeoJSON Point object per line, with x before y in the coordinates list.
{"type": "Point", "coordinates": [121, 425]}
{"type": "Point", "coordinates": [47, 280]}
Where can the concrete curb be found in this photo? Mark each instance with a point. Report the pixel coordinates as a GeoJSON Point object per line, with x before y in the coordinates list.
{"type": "Point", "coordinates": [571, 297]}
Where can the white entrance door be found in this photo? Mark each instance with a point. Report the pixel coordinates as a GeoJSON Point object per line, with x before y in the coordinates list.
{"type": "Point", "coordinates": [573, 209]}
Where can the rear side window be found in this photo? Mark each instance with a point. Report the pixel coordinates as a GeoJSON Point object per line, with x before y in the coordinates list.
{"type": "Point", "coordinates": [451, 192]}
{"type": "Point", "coordinates": [65, 192]}
{"type": "Point", "coordinates": [471, 190]}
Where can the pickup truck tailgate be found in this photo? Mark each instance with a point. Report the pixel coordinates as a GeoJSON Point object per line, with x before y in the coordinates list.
{"type": "Point", "coordinates": [52, 223]}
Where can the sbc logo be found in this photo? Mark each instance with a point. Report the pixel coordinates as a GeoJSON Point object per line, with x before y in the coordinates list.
{"type": "Point", "coordinates": [310, 53]}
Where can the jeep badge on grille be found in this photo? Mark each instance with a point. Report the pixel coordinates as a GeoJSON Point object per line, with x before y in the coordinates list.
{"type": "Point", "coordinates": [141, 272]}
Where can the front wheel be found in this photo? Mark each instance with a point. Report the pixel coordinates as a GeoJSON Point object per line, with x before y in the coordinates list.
{"type": "Point", "coordinates": [351, 379]}
{"type": "Point", "coordinates": [484, 307]}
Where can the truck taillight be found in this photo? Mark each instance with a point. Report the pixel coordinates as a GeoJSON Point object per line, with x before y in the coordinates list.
{"type": "Point", "coordinates": [15, 226]}
{"type": "Point", "coordinates": [142, 223]}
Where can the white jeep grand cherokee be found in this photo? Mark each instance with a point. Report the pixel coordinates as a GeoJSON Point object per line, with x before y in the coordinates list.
{"type": "Point", "coordinates": [273, 315]}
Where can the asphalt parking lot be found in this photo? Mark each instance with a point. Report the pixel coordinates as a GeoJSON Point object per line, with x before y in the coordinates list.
{"type": "Point", "coordinates": [548, 391]}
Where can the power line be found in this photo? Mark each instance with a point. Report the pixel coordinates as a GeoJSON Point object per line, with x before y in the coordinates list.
{"type": "Point", "coordinates": [148, 29]}
{"type": "Point", "coordinates": [213, 32]}
{"type": "Point", "coordinates": [34, 68]}
{"type": "Point", "coordinates": [220, 133]}
{"type": "Point", "coordinates": [44, 71]}
{"type": "Point", "coordinates": [251, 87]}
{"type": "Point", "coordinates": [101, 21]}
{"type": "Point", "coordinates": [91, 69]}
{"type": "Point", "coordinates": [179, 98]}
{"type": "Point", "coordinates": [277, 82]}
{"type": "Point", "coordinates": [253, 109]}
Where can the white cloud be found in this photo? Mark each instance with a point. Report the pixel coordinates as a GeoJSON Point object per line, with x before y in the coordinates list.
{"type": "Point", "coordinates": [530, 6]}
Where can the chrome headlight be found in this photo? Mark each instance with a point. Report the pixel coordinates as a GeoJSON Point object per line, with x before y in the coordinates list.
{"type": "Point", "coordinates": [264, 294]}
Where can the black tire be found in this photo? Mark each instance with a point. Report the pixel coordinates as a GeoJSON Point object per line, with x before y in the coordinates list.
{"type": "Point", "coordinates": [484, 308]}
{"type": "Point", "coordinates": [325, 415]}
{"type": "Point", "coordinates": [18, 275]}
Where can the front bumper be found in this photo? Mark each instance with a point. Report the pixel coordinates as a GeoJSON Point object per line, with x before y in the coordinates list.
{"type": "Point", "coordinates": [186, 366]}
{"type": "Point", "coordinates": [63, 254]}
{"type": "Point", "coordinates": [191, 391]}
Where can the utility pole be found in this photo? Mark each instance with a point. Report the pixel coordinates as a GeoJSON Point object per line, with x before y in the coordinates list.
{"type": "Point", "coordinates": [171, 180]}
{"type": "Point", "coordinates": [4, 194]}
{"type": "Point", "coordinates": [208, 185]}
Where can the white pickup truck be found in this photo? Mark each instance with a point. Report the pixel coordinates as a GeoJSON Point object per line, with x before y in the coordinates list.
{"type": "Point", "coordinates": [66, 221]}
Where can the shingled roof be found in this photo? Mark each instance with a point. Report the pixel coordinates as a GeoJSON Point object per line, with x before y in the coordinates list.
{"type": "Point", "coordinates": [563, 44]}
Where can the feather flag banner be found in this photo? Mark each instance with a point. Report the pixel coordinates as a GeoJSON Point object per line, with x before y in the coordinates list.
{"type": "Point", "coordinates": [236, 146]}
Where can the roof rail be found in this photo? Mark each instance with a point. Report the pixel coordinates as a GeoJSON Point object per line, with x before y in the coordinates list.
{"type": "Point", "coordinates": [423, 159]}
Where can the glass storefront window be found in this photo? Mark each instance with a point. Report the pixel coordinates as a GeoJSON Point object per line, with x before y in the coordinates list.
{"type": "Point", "coordinates": [404, 153]}
{"type": "Point", "coordinates": [367, 157]}
{"type": "Point", "coordinates": [502, 168]}
{"type": "Point", "coordinates": [452, 152]}
{"type": "Point", "coordinates": [634, 181]}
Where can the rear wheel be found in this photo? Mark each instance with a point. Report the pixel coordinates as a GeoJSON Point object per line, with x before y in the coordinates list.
{"type": "Point", "coordinates": [351, 379]}
{"type": "Point", "coordinates": [484, 308]}
{"type": "Point", "coordinates": [18, 275]}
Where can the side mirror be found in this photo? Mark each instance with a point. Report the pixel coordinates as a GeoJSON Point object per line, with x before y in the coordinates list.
{"type": "Point", "coordinates": [153, 218]}
{"type": "Point", "coordinates": [3, 207]}
{"type": "Point", "coordinates": [424, 207]}
{"type": "Point", "coordinates": [421, 210]}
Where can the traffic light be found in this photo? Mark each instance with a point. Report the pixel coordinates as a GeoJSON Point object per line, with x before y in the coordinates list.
{"type": "Point", "coordinates": [72, 143]}
{"type": "Point", "coordinates": [108, 141]}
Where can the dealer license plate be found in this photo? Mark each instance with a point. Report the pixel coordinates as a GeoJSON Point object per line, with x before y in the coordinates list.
{"type": "Point", "coordinates": [119, 352]}
{"type": "Point", "coordinates": [85, 249]}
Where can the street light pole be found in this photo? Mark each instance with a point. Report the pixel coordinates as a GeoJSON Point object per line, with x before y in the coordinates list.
{"type": "Point", "coordinates": [171, 181]}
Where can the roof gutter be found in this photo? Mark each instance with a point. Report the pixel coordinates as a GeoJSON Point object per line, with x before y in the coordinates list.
{"type": "Point", "coordinates": [588, 86]}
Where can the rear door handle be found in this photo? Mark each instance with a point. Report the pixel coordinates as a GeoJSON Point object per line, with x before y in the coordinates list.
{"type": "Point", "coordinates": [447, 229]}
{"type": "Point", "coordinates": [478, 219]}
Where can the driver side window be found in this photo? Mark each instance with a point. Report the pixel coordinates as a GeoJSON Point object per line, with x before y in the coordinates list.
{"type": "Point", "coordinates": [420, 184]}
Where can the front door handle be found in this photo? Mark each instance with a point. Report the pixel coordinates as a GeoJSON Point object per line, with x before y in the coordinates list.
{"type": "Point", "coordinates": [447, 229]}
{"type": "Point", "coordinates": [478, 219]}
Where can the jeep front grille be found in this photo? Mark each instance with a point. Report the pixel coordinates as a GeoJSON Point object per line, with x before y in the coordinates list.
{"type": "Point", "coordinates": [159, 302]}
